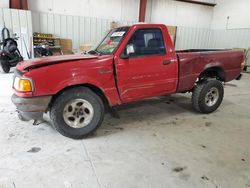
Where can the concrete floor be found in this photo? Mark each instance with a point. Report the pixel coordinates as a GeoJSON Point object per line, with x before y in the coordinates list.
{"type": "Point", "coordinates": [157, 143]}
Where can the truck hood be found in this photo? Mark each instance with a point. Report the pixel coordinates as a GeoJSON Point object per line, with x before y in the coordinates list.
{"type": "Point", "coordinates": [45, 61]}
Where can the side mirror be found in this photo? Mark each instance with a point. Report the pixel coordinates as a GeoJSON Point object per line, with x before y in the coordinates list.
{"type": "Point", "coordinates": [130, 49]}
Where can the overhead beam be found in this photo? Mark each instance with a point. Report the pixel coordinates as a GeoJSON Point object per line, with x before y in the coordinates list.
{"type": "Point", "coordinates": [198, 2]}
{"type": "Point", "coordinates": [142, 10]}
{"type": "Point", "coordinates": [19, 4]}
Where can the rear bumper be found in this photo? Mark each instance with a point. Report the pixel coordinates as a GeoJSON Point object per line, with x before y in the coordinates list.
{"type": "Point", "coordinates": [31, 108]}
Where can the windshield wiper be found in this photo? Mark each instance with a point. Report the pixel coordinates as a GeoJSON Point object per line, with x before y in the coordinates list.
{"type": "Point", "coordinates": [94, 52]}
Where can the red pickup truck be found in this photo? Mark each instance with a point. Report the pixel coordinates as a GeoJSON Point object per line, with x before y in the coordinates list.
{"type": "Point", "coordinates": [131, 63]}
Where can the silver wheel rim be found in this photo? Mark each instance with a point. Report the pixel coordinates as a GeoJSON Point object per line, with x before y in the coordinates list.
{"type": "Point", "coordinates": [78, 113]}
{"type": "Point", "coordinates": [212, 97]}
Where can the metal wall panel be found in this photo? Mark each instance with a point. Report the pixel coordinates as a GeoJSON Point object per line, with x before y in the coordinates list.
{"type": "Point", "coordinates": [18, 22]}
{"type": "Point", "coordinates": [90, 30]}
{"type": "Point", "coordinates": [78, 28]}
{"type": "Point", "coordinates": [192, 38]}
{"type": "Point", "coordinates": [235, 38]}
{"type": "Point", "coordinates": [206, 38]}
{"type": "Point", "coordinates": [108, 9]}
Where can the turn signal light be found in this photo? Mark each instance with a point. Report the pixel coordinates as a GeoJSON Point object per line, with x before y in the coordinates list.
{"type": "Point", "coordinates": [23, 84]}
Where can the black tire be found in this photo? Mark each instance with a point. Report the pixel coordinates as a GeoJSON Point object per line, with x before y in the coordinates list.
{"type": "Point", "coordinates": [201, 91]}
{"type": "Point", "coordinates": [50, 53]}
{"type": "Point", "coordinates": [4, 66]}
{"type": "Point", "coordinates": [77, 93]}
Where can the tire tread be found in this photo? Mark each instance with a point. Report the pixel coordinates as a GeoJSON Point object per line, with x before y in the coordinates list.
{"type": "Point", "coordinates": [4, 67]}
{"type": "Point", "coordinates": [60, 98]}
{"type": "Point", "coordinates": [195, 97]}
{"type": "Point", "coordinates": [198, 94]}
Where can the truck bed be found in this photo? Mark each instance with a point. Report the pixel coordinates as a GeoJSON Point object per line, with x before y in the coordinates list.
{"type": "Point", "coordinates": [200, 50]}
{"type": "Point", "coordinates": [193, 62]}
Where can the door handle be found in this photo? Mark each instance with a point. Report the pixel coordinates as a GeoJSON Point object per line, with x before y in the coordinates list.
{"type": "Point", "coordinates": [166, 62]}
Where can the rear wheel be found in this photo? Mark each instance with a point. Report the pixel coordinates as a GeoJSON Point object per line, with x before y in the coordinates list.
{"type": "Point", "coordinates": [207, 96]}
{"type": "Point", "coordinates": [77, 112]}
{"type": "Point", "coordinates": [4, 66]}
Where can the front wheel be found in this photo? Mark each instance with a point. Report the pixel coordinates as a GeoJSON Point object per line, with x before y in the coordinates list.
{"type": "Point", "coordinates": [4, 66]}
{"type": "Point", "coordinates": [207, 96]}
{"type": "Point", "coordinates": [77, 112]}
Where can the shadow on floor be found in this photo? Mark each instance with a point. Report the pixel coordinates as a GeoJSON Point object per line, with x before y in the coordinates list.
{"type": "Point", "coordinates": [145, 111]}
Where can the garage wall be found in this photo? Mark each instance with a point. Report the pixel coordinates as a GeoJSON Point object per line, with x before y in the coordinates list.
{"type": "Point", "coordinates": [231, 25]}
{"type": "Point", "coordinates": [233, 38]}
{"type": "Point", "coordinates": [78, 28]}
{"type": "Point", "coordinates": [176, 13]}
{"type": "Point", "coordinates": [202, 26]}
{"type": "Point", "coordinates": [108, 9]}
{"type": "Point", "coordinates": [19, 22]}
{"type": "Point", "coordinates": [90, 30]}
{"type": "Point", "coordinates": [196, 38]}
{"type": "Point", "coordinates": [231, 14]}
{"type": "Point", "coordinates": [83, 29]}
{"type": "Point", "coordinates": [193, 38]}
{"type": "Point", "coordinates": [4, 4]}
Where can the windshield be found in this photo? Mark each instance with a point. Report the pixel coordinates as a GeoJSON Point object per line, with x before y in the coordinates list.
{"type": "Point", "coordinates": [112, 40]}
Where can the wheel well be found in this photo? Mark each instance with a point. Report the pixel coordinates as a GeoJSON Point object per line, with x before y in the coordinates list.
{"type": "Point", "coordinates": [95, 89]}
{"type": "Point", "coordinates": [213, 72]}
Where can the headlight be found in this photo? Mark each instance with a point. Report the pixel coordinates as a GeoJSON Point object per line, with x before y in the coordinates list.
{"type": "Point", "coordinates": [23, 84]}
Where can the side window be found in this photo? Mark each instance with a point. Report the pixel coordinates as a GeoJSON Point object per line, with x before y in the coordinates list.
{"type": "Point", "coordinates": [145, 42]}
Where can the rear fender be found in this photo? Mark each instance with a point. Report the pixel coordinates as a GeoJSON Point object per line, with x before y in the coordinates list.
{"type": "Point", "coordinates": [213, 70]}
{"type": "Point", "coordinates": [212, 65]}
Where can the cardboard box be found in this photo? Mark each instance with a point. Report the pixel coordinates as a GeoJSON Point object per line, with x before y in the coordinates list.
{"type": "Point", "coordinates": [172, 32]}
{"type": "Point", "coordinates": [66, 46]}
{"type": "Point", "coordinates": [114, 25]}
{"type": "Point", "coordinates": [85, 47]}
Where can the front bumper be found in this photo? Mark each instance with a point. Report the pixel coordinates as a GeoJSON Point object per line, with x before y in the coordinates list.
{"type": "Point", "coordinates": [31, 108]}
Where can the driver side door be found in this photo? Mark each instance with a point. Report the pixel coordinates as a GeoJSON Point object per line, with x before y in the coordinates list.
{"type": "Point", "coordinates": [147, 70]}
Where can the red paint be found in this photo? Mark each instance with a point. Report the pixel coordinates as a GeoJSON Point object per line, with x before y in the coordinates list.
{"type": "Point", "coordinates": [49, 80]}
{"type": "Point", "coordinates": [146, 76]}
{"type": "Point", "coordinates": [137, 78]}
{"type": "Point", "coordinates": [192, 64]}
{"type": "Point", "coordinates": [142, 11]}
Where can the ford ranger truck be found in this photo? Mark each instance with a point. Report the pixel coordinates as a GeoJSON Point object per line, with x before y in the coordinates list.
{"type": "Point", "coordinates": [131, 63]}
